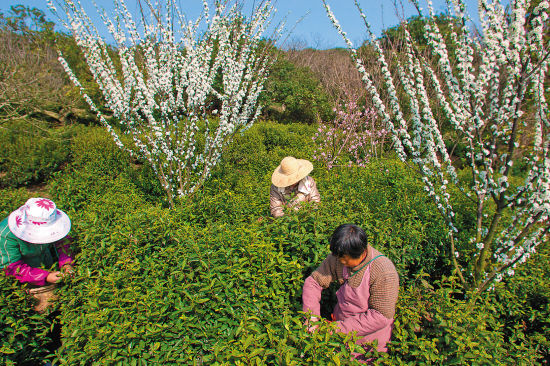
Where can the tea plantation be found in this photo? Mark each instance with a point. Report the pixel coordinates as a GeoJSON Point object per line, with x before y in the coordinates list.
{"type": "Point", "coordinates": [216, 281]}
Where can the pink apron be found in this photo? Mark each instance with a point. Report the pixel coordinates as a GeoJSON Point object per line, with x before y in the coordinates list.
{"type": "Point", "coordinates": [353, 301]}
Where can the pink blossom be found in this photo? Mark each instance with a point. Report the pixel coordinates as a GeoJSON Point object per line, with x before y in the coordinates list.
{"type": "Point", "coordinates": [352, 134]}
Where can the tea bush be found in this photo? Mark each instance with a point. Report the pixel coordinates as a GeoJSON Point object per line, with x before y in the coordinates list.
{"type": "Point", "coordinates": [12, 198]}
{"type": "Point", "coordinates": [151, 286]}
{"type": "Point", "coordinates": [216, 281]}
{"type": "Point", "coordinates": [261, 149]}
{"type": "Point", "coordinates": [95, 152]}
{"type": "Point", "coordinates": [30, 153]}
{"type": "Point", "coordinates": [24, 334]}
{"type": "Point", "coordinates": [96, 161]}
{"type": "Point", "coordinates": [434, 326]}
{"type": "Point", "coordinates": [388, 202]}
{"type": "Point", "coordinates": [523, 303]}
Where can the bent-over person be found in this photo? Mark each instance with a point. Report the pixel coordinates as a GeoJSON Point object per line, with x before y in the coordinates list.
{"type": "Point", "coordinates": [369, 287]}
{"type": "Point", "coordinates": [292, 186]}
{"type": "Point", "coordinates": [32, 239]}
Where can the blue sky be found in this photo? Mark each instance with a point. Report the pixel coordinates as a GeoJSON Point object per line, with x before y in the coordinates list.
{"type": "Point", "coordinates": [313, 28]}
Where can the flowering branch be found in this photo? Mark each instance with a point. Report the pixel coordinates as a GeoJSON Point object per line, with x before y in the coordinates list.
{"type": "Point", "coordinates": [181, 89]}
{"type": "Point", "coordinates": [487, 87]}
{"type": "Point", "coordinates": [353, 132]}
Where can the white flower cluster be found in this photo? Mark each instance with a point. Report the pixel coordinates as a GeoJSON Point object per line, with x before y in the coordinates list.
{"type": "Point", "coordinates": [484, 84]}
{"type": "Point", "coordinates": [163, 79]}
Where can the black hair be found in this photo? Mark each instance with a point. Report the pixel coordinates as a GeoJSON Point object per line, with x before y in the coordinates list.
{"type": "Point", "coordinates": [348, 239]}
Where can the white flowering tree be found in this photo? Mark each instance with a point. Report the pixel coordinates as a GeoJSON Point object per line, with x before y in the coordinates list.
{"type": "Point", "coordinates": [492, 90]}
{"type": "Point", "coordinates": [181, 89]}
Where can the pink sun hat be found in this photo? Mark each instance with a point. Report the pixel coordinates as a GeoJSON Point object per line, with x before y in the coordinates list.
{"type": "Point", "coordinates": [39, 221]}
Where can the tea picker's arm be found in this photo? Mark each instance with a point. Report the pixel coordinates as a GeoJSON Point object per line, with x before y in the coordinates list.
{"type": "Point", "coordinates": [27, 274]}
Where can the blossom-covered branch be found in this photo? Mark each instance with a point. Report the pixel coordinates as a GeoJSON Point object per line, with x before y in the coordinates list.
{"type": "Point", "coordinates": [491, 90]}
{"type": "Point", "coordinates": [352, 138]}
{"type": "Point", "coordinates": [181, 89]}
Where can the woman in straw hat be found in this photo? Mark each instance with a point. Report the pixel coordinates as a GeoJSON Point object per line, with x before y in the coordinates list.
{"type": "Point", "coordinates": [30, 238]}
{"type": "Point", "coordinates": [292, 185]}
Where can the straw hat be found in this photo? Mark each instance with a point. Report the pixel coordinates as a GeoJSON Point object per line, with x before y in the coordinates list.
{"type": "Point", "coordinates": [39, 221]}
{"type": "Point", "coordinates": [290, 171]}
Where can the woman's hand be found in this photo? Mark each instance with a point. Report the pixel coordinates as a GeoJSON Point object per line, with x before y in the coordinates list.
{"type": "Point", "coordinates": [68, 270]}
{"type": "Point", "coordinates": [312, 328]}
{"type": "Point", "coordinates": [54, 277]}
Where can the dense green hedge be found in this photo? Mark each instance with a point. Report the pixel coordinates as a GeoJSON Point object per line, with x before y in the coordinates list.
{"type": "Point", "coordinates": [217, 281]}
{"type": "Point", "coordinates": [31, 153]}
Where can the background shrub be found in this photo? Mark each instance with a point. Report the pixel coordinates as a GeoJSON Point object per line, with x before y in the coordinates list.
{"type": "Point", "coordinates": [294, 94]}
{"type": "Point", "coordinates": [31, 153]}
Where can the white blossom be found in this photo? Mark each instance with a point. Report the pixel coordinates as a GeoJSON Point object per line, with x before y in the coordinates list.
{"type": "Point", "coordinates": [162, 89]}
{"type": "Point", "coordinates": [484, 93]}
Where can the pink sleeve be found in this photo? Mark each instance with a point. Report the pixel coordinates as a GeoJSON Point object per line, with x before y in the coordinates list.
{"type": "Point", "coordinates": [364, 323]}
{"type": "Point", "coordinates": [64, 252]}
{"type": "Point", "coordinates": [27, 274]}
{"type": "Point", "coordinates": [311, 296]}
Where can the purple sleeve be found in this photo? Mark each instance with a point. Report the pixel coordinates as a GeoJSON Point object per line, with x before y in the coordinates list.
{"type": "Point", "coordinates": [64, 253]}
{"type": "Point", "coordinates": [311, 296]}
{"type": "Point", "coordinates": [27, 274]}
{"type": "Point", "coordinates": [364, 323]}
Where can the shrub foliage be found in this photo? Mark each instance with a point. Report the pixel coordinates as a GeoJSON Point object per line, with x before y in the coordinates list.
{"type": "Point", "coordinates": [217, 281]}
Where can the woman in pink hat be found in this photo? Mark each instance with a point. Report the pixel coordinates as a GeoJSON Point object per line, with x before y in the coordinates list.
{"type": "Point", "coordinates": [292, 185]}
{"type": "Point", "coordinates": [31, 239]}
